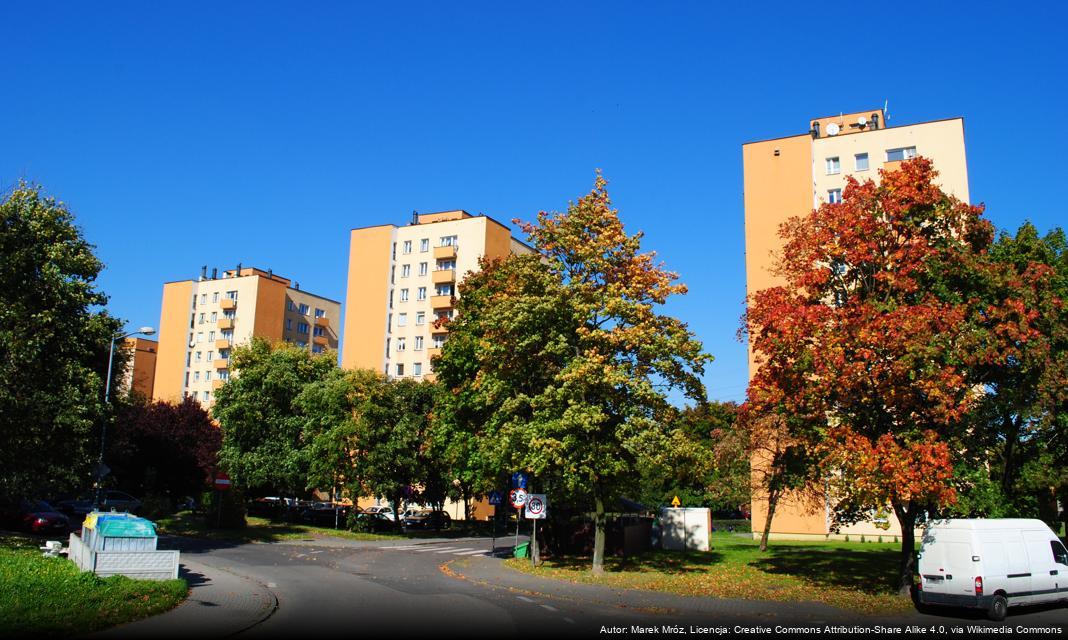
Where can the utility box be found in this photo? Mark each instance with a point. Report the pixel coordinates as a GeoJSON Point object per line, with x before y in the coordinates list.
{"type": "Point", "coordinates": [685, 529]}
{"type": "Point", "coordinates": [121, 544]}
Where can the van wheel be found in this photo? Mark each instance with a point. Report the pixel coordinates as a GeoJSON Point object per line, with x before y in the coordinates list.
{"type": "Point", "coordinates": [999, 606]}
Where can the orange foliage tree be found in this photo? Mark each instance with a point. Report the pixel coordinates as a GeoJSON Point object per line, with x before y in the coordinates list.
{"type": "Point", "coordinates": [865, 351]}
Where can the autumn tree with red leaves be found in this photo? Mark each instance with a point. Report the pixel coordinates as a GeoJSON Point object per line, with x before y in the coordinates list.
{"type": "Point", "coordinates": [866, 352]}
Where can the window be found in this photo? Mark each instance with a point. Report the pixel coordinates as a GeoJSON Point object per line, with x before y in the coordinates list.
{"type": "Point", "coordinates": [301, 343]}
{"type": "Point", "coordinates": [422, 268]}
{"type": "Point", "coordinates": [420, 318]}
{"type": "Point", "coordinates": [448, 241]}
{"type": "Point", "coordinates": [901, 153]}
{"type": "Point", "coordinates": [290, 306]}
{"type": "Point", "coordinates": [211, 336]}
{"type": "Point", "coordinates": [201, 321]}
{"type": "Point", "coordinates": [215, 297]}
{"type": "Point", "coordinates": [401, 344]}
{"type": "Point", "coordinates": [302, 327]}
{"type": "Point", "coordinates": [200, 337]}
{"type": "Point", "coordinates": [224, 375]}
{"type": "Point", "coordinates": [214, 317]}
{"type": "Point", "coordinates": [424, 245]}
{"type": "Point", "coordinates": [232, 295]}
{"type": "Point", "coordinates": [439, 341]}
{"type": "Point", "coordinates": [229, 314]}
{"type": "Point", "coordinates": [406, 270]}
{"type": "Point", "coordinates": [407, 246]}
{"type": "Point", "coordinates": [289, 324]}
{"type": "Point", "coordinates": [862, 161]}
{"type": "Point", "coordinates": [446, 264]}
{"type": "Point", "coordinates": [187, 380]}
{"type": "Point", "coordinates": [834, 196]}
{"type": "Point", "coordinates": [320, 313]}
{"type": "Point", "coordinates": [400, 370]}
{"type": "Point", "coordinates": [317, 348]}
{"type": "Point", "coordinates": [404, 295]}
{"type": "Point", "coordinates": [1060, 555]}
{"type": "Point", "coordinates": [417, 369]}
{"type": "Point", "coordinates": [421, 293]}
{"type": "Point", "coordinates": [402, 319]}
{"type": "Point", "coordinates": [207, 376]}
{"type": "Point", "coordinates": [418, 346]}
{"type": "Point", "coordinates": [443, 290]}
{"type": "Point", "coordinates": [210, 354]}
{"type": "Point", "coordinates": [203, 298]}
{"type": "Point", "coordinates": [196, 376]}
{"type": "Point", "coordinates": [227, 335]}
{"type": "Point", "coordinates": [206, 395]}
{"type": "Point", "coordinates": [199, 353]}
{"type": "Point", "coordinates": [833, 166]}
{"type": "Point", "coordinates": [303, 309]}
{"type": "Point", "coordinates": [188, 358]}
{"type": "Point", "coordinates": [318, 331]}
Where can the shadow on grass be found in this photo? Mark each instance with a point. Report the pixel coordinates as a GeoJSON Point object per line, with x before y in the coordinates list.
{"type": "Point", "coordinates": [667, 562]}
{"type": "Point", "coordinates": [868, 571]}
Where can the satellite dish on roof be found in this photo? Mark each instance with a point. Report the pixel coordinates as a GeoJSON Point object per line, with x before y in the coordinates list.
{"type": "Point", "coordinates": [862, 121]}
{"type": "Point", "coordinates": [833, 129]}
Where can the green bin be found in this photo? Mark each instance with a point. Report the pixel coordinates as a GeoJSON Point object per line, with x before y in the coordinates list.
{"type": "Point", "coordinates": [523, 550]}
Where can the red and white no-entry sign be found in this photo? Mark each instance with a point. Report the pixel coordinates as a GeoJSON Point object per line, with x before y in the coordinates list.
{"type": "Point", "coordinates": [222, 481]}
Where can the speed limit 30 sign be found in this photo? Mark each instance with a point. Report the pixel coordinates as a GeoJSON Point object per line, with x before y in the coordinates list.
{"type": "Point", "coordinates": [535, 507]}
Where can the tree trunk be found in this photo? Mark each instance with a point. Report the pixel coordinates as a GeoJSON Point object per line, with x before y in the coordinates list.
{"type": "Point", "coordinates": [906, 517]}
{"type": "Point", "coordinates": [1008, 469]}
{"type": "Point", "coordinates": [598, 536]}
{"type": "Point", "coordinates": [773, 502]}
{"type": "Point", "coordinates": [397, 504]}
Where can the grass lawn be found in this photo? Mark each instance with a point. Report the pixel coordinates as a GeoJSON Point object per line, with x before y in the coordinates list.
{"type": "Point", "coordinates": [852, 575]}
{"type": "Point", "coordinates": [50, 597]}
{"type": "Point", "coordinates": [265, 530]}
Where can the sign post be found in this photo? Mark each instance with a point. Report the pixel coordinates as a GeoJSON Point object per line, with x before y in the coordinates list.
{"type": "Point", "coordinates": [518, 498]}
{"type": "Point", "coordinates": [535, 510]}
{"type": "Point", "coordinates": [495, 500]}
{"type": "Point", "coordinates": [222, 483]}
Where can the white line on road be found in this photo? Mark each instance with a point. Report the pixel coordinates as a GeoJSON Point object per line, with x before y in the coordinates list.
{"type": "Point", "coordinates": [525, 599]}
{"type": "Point", "coordinates": [455, 549]}
{"type": "Point", "coordinates": [471, 553]}
{"type": "Point", "coordinates": [545, 606]}
{"type": "Point", "coordinates": [429, 549]}
{"type": "Point", "coordinates": [407, 547]}
{"type": "Point", "coordinates": [271, 585]}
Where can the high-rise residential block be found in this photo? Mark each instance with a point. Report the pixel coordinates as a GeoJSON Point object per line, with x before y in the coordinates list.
{"type": "Point", "coordinates": [790, 176]}
{"type": "Point", "coordinates": [403, 280]}
{"type": "Point", "coordinates": [203, 319]}
{"type": "Point", "coordinates": [141, 366]}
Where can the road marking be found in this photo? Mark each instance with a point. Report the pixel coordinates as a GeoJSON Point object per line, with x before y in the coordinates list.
{"type": "Point", "coordinates": [471, 553]}
{"type": "Point", "coordinates": [525, 599]}
{"type": "Point", "coordinates": [406, 547]}
{"type": "Point", "coordinates": [430, 549]}
{"type": "Point", "coordinates": [271, 585]}
{"type": "Point", "coordinates": [455, 549]}
{"type": "Point", "coordinates": [569, 620]}
{"type": "Point", "coordinates": [545, 606]}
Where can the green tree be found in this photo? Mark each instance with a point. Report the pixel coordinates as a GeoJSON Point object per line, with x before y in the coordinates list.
{"type": "Point", "coordinates": [565, 362]}
{"type": "Point", "coordinates": [265, 446]}
{"type": "Point", "coordinates": [53, 347]}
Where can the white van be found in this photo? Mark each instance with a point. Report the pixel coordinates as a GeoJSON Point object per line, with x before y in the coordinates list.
{"type": "Point", "coordinates": [992, 564]}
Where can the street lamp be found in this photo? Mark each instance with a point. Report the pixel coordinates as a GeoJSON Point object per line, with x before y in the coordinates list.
{"type": "Point", "coordinates": [147, 331]}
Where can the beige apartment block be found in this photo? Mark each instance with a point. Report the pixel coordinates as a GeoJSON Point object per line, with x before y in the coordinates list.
{"type": "Point", "coordinates": [203, 319]}
{"type": "Point", "coordinates": [402, 280]}
{"type": "Point", "coordinates": [790, 176]}
{"type": "Point", "coordinates": [141, 366]}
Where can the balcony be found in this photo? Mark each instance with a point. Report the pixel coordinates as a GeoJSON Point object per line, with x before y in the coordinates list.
{"type": "Point", "coordinates": [222, 344]}
{"type": "Point", "coordinates": [433, 352]}
{"type": "Point", "coordinates": [226, 323]}
{"type": "Point", "coordinates": [443, 276]}
{"type": "Point", "coordinates": [322, 321]}
{"type": "Point", "coordinates": [444, 253]}
{"type": "Point", "coordinates": [441, 302]}
{"type": "Point", "coordinates": [320, 340]}
{"type": "Point", "coordinates": [221, 363]}
{"type": "Point", "coordinates": [226, 304]}
{"type": "Point", "coordinates": [892, 165]}
{"type": "Point", "coordinates": [215, 384]}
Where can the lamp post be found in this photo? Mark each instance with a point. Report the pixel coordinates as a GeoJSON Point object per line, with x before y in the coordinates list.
{"type": "Point", "coordinates": [107, 400]}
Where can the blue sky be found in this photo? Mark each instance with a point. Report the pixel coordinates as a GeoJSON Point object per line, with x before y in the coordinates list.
{"type": "Point", "coordinates": [260, 133]}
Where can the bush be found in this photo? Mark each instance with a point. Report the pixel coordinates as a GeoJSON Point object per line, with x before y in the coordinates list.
{"type": "Point", "coordinates": [230, 514]}
{"type": "Point", "coordinates": [155, 506]}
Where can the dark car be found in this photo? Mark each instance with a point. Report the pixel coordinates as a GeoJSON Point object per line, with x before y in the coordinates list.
{"type": "Point", "coordinates": [436, 520]}
{"type": "Point", "coordinates": [325, 514]}
{"type": "Point", "coordinates": [34, 516]}
{"type": "Point", "coordinates": [374, 522]}
{"type": "Point", "coordinates": [111, 500]}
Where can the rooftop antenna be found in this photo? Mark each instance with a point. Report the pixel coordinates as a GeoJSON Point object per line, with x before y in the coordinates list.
{"type": "Point", "coordinates": [415, 217]}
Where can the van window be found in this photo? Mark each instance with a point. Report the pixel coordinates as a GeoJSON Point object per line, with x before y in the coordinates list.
{"type": "Point", "coordinates": [1060, 556]}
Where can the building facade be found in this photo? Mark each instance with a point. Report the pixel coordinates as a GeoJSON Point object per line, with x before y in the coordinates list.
{"type": "Point", "coordinates": [790, 176]}
{"type": "Point", "coordinates": [140, 367]}
{"type": "Point", "coordinates": [203, 319]}
{"type": "Point", "coordinates": [402, 287]}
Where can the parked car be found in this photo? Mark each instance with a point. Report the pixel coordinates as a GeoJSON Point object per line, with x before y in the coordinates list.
{"type": "Point", "coordinates": [380, 509]}
{"type": "Point", "coordinates": [991, 564]}
{"type": "Point", "coordinates": [325, 514]}
{"type": "Point", "coordinates": [375, 521]}
{"type": "Point", "coordinates": [436, 520]}
{"type": "Point", "coordinates": [34, 516]}
{"type": "Point", "coordinates": [269, 507]}
{"type": "Point", "coordinates": [112, 501]}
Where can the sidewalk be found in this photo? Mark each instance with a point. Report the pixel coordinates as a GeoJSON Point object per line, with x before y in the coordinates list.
{"type": "Point", "coordinates": [220, 604]}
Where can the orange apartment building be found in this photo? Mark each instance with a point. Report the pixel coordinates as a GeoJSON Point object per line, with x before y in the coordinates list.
{"type": "Point", "coordinates": [202, 320]}
{"type": "Point", "coordinates": [141, 367]}
{"type": "Point", "coordinates": [402, 279]}
{"type": "Point", "coordinates": [790, 176]}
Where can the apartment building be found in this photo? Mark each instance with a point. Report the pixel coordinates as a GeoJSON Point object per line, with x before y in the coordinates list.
{"type": "Point", "coordinates": [141, 366]}
{"type": "Point", "coordinates": [203, 319]}
{"type": "Point", "coordinates": [403, 280]}
{"type": "Point", "coordinates": [787, 177]}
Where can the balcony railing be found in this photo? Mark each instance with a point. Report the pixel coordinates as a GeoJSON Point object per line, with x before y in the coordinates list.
{"type": "Point", "coordinates": [222, 343]}
{"type": "Point", "coordinates": [227, 303]}
{"type": "Point", "coordinates": [443, 276]}
{"type": "Point", "coordinates": [441, 302]}
{"type": "Point", "coordinates": [322, 321]}
{"type": "Point", "coordinates": [215, 384]}
{"type": "Point", "coordinates": [221, 363]}
{"type": "Point", "coordinates": [444, 253]}
{"type": "Point", "coordinates": [320, 340]}
{"type": "Point", "coordinates": [226, 323]}
{"type": "Point", "coordinates": [433, 352]}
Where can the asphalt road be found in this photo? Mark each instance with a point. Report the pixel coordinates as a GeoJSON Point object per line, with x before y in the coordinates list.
{"type": "Point", "coordinates": [451, 588]}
